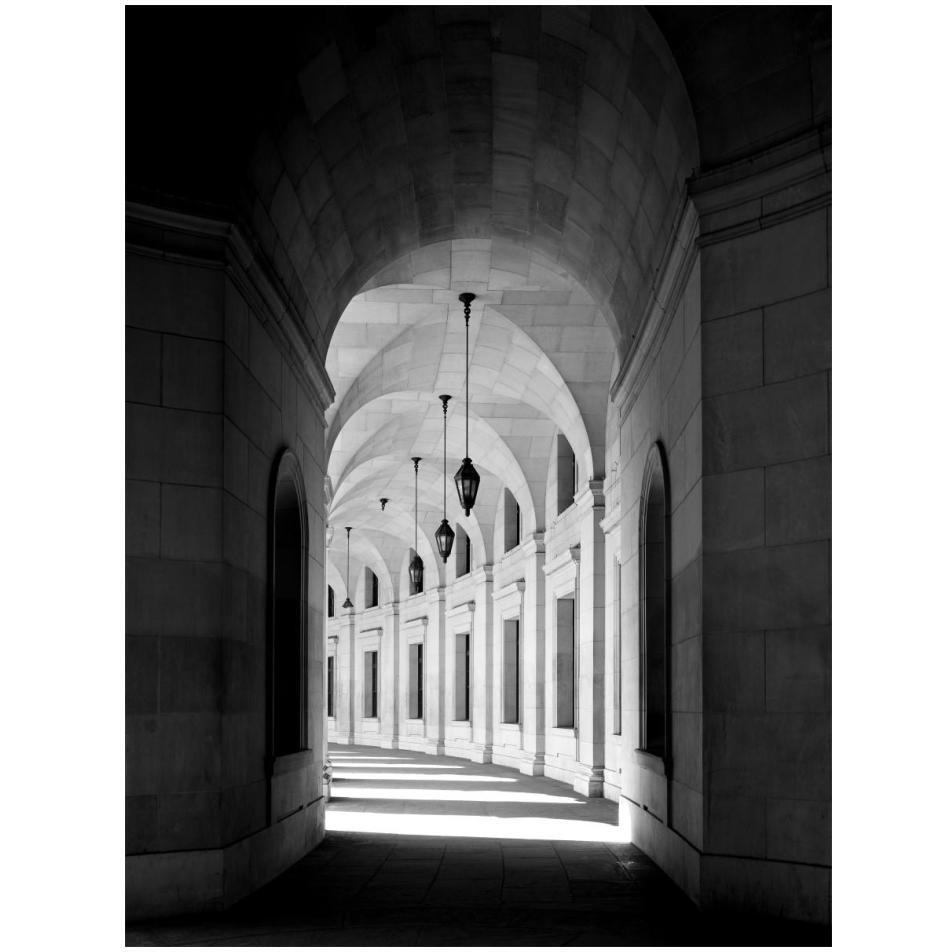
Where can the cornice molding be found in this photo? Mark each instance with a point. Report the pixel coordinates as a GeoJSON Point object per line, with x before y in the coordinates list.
{"type": "Point", "coordinates": [783, 182]}
{"type": "Point", "coordinates": [591, 496]}
{"type": "Point", "coordinates": [568, 557]}
{"type": "Point", "coordinates": [210, 242]}
{"type": "Point", "coordinates": [533, 544]}
{"type": "Point", "coordinates": [462, 609]}
{"type": "Point", "coordinates": [512, 590]}
{"type": "Point", "coordinates": [481, 575]}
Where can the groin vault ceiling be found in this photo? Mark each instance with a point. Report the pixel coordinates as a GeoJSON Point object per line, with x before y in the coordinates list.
{"type": "Point", "coordinates": [541, 356]}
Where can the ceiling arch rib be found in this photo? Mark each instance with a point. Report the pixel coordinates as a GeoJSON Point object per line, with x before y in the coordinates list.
{"type": "Point", "coordinates": [356, 501]}
{"type": "Point", "coordinates": [395, 534]}
{"type": "Point", "coordinates": [516, 288]}
{"type": "Point", "coordinates": [540, 358]}
{"type": "Point", "coordinates": [506, 366]}
{"type": "Point", "coordinates": [382, 551]}
{"type": "Point", "coordinates": [365, 551]}
{"type": "Point", "coordinates": [422, 429]}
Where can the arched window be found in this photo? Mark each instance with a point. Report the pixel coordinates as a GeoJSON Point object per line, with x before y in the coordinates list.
{"type": "Point", "coordinates": [654, 548]}
{"type": "Point", "coordinates": [565, 474]}
{"type": "Point", "coordinates": [512, 529]}
{"type": "Point", "coordinates": [464, 552]}
{"type": "Point", "coordinates": [330, 602]}
{"type": "Point", "coordinates": [371, 589]}
{"type": "Point", "coordinates": [288, 615]}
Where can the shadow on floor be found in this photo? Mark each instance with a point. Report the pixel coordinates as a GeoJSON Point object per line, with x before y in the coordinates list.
{"type": "Point", "coordinates": [538, 866]}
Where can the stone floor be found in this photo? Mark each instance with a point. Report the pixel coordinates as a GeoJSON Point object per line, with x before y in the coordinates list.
{"type": "Point", "coordinates": [436, 851]}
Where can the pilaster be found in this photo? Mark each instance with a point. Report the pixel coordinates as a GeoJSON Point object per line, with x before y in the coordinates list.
{"type": "Point", "coordinates": [348, 644]}
{"type": "Point", "coordinates": [533, 680]}
{"type": "Point", "coordinates": [591, 615]}
{"type": "Point", "coordinates": [391, 736]}
{"type": "Point", "coordinates": [483, 651]}
{"type": "Point", "coordinates": [434, 671]}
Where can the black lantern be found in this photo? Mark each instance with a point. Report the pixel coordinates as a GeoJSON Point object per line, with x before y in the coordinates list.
{"type": "Point", "coordinates": [445, 535]}
{"type": "Point", "coordinates": [416, 563]}
{"type": "Point", "coordinates": [467, 479]}
{"type": "Point", "coordinates": [467, 483]}
{"type": "Point", "coordinates": [347, 602]}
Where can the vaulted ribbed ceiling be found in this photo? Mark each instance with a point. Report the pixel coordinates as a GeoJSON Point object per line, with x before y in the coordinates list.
{"type": "Point", "coordinates": [541, 358]}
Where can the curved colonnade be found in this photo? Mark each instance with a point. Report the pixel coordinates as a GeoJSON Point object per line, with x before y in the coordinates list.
{"type": "Point", "coordinates": [651, 263]}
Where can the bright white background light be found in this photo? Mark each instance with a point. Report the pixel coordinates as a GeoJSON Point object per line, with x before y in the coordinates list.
{"type": "Point", "coordinates": [486, 827]}
{"type": "Point", "coordinates": [460, 778]}
{"type": "Point", "coordinates": [476, 796]}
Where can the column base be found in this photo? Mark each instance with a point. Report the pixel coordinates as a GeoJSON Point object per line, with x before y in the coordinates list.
{"type": "Point", "coordinates": [588, 781]}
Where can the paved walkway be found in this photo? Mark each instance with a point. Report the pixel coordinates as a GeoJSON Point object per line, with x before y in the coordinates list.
{"type": "Point", "coordinates": [437, 851]}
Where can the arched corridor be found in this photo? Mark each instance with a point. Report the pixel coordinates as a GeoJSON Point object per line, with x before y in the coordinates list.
{"type": "Point", "coordinates": [578, 249]}
{"type": "Point", "coordinates": [436, 851]}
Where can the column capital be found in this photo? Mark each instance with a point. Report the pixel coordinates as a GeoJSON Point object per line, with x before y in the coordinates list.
{"type": "Point", "coordinates": [533, 544]}
{"type": "Point", "coordinates": [483, 575]}
{"type": "Point", "coordinates": [591, 496]}
{"type": "Point", "coordinates": [462, 609]}
{"type": "Point", "coordinates": [568, 557]}
{"type": "Point", "coordinates": [518, 586]}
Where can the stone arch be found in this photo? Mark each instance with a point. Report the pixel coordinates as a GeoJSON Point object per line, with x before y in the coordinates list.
{"type": "Point", "coordinates": [579, 136]}
{"type": "Point", "coordinates": [365, 550]}
{"type": "Point", "coordinates": [375, 467]}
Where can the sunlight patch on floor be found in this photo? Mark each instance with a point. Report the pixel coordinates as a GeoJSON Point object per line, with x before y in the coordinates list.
{"type": "Point", "coordinates": [430, 778]}
{"type": "Point", "coordinates": [484, 827]}
{"type": "Point", "coordinates": [338, 756]}
{"type": "Point", "coordinates": [404, 766]}
{"type": "Point", "coordinates": [476, 796]}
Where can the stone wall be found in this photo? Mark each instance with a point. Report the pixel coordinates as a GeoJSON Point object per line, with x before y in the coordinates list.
{"type": "Point", "coordinates": [212, 401]}
{"type": "Point", "coordinates": [766, 494]}
{"type": "Point", "coordinates": [658, 400]}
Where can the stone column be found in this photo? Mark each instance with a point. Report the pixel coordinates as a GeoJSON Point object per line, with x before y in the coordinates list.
{"type": "Point", "coordinates": [590, 504]}
{"type": "Point", "coordinates": [533, 656]}
{"type": "Point", "coordinates": [348, 677]}
{"type": "Point", "coordinates": [614, 732]}
{"type": "Point", "coordinates": [435, 672]}
{"type": "Point", "coordinates": [482, 661]}
{"type": "Point", "coordinates": [390, 731]}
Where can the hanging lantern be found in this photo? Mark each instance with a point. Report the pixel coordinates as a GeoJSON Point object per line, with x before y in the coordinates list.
{"type": "Point", "coordinates": [416, 563]}
{"type": "Point", "coordinates": [467, 479]}
{"type": "Point", "coordinates": [445, 535]}
{"type": "Point", "coordinates": [347, 602]}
